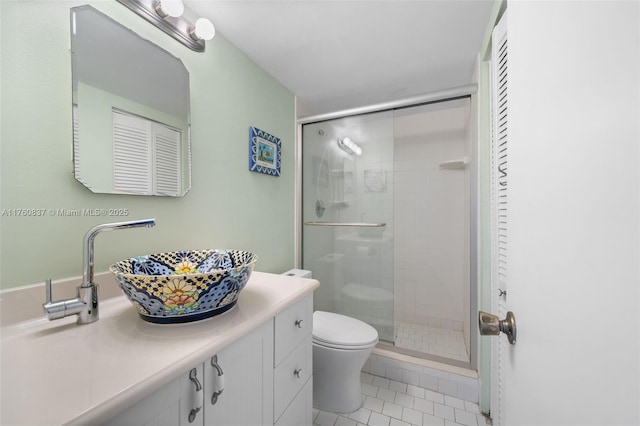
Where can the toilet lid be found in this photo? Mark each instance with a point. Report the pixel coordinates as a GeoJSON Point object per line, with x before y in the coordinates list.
{"type": "Point", "coordinates": [336, 330]}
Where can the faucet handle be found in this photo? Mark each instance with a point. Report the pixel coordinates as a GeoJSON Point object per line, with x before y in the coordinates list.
{"type": "Point", "coordinates": [60, 308]}
{"type": "Point", "coordinates": [54, 310]}
{"type": "Point", "coordinates": [47, 287]}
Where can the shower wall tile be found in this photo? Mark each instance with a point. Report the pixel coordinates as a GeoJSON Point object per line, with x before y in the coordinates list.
{"type": "Point", "coordinates": [428, 382]}
{"type": "Point", "coordinates": [470, 392]}
{"type": "Point", "coordinates": [377, 367]}
{"type": "Point", "coordinates": [410, 377]}
{"type": "Point", "coordinates": [447, 387]}
{"type": "Point", "coordinates": [428, 240]}
{"type": "Point", "coordinates": [394, 373]}
{"type": "Point", "coordinates": [434, 372]}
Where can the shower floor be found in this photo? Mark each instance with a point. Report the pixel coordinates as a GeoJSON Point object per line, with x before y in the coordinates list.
{"type": "Point", "coordinates": [431, 340]}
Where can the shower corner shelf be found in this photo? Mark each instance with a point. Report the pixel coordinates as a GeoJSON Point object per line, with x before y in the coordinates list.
{"type": "Point", "coordinates": [455, 164]}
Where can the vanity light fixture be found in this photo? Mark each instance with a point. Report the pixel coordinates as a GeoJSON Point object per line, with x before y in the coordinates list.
{"type": "Point", "coordinates": [349, 146]}
{"type": "Point", "coordinates": [174, 19]}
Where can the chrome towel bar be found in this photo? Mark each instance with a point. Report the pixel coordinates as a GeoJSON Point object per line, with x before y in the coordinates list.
{"type": "Point", "coordinates": [356, 224]}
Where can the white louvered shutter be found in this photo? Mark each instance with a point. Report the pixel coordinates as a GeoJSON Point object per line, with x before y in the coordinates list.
{"type": "Point", "coordinates": [146, 156]}
{"type": "Point", "coordinates": [166, 160]}
{"type": "Point", "coordinates": [132, 169]}
{"type": "Point", "coordinates": [76, 143]}
{"type": "Point", "coordinates": [500, 135]}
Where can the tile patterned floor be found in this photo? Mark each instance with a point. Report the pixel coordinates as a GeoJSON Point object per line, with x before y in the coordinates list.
{"type": "Point", "coordinates": [432, 340]}
{"type": "Point", "coordinates": [390, 403]}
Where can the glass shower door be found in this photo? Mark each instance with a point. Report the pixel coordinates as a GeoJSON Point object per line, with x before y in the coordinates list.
{"type": "Point", "coordinates": [347, 238]}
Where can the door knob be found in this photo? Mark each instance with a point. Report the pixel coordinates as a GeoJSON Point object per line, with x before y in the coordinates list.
{"type": "Point", "coordinates": [491, 325]}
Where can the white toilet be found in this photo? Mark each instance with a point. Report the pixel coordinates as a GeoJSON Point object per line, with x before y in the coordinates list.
{"type": "Point", "coordinates": [341, 346]}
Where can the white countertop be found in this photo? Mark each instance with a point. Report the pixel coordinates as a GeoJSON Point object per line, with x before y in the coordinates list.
{"type": "Point", "coordinates": [57, 372]}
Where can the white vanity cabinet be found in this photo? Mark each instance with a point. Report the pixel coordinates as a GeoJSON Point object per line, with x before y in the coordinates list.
{"type": "Point", "coordinates": [241, 375]}
{"type": "Point", "coordinates": [264, 378]}
{"type": "Point", "coordinates": [121, 370]}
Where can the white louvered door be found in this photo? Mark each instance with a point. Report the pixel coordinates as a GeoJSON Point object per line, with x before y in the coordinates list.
{"type": "Point", "coordinates": [166, 162]}
{"type": "Point", "coordinates": [76, 143]}
{"type": "Point", "coordinates": [146, 156]}
{"type": "Point", "coordinates": [573, 223]}
{"type": "Point", "coordinates": [499, 210]}
{"type": "Point", "coordinates": [132, 170]}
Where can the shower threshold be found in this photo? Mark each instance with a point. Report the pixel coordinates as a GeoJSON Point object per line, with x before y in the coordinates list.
{"type": "Point", "coordinates": [430, 343]}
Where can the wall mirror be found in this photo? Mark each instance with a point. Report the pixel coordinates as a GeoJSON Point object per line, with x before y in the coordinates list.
{"type": "Point", "coordinates": [131, 130]}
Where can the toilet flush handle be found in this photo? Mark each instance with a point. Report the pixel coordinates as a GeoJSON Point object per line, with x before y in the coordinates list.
{"type": "Point", "coordinates": [298, 323]}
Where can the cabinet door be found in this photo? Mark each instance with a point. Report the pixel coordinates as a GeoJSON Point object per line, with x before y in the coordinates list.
{"type": "Point", "coordinates": [241, 377]}
{"type": "Point", "coordinates": [169, 406]}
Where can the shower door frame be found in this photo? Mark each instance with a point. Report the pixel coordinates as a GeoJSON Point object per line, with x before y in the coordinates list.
{"type": "Point", "coordinates": [461, 92]}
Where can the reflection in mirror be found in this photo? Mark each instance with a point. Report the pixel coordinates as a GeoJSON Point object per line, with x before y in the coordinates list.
{"type": "Point", "coordinates": [131, 132]}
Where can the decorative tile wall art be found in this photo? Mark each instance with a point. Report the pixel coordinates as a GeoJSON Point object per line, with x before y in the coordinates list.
{"type": "Point", "coordinates": [264, 152]}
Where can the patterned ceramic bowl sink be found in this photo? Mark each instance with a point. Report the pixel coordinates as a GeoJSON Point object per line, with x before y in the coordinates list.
{"type": "Point", "coordinates": [184, 286]}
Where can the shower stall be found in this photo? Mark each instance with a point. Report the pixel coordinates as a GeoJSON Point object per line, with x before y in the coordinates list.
{"type": "Point", "coordinates": [386, 223]}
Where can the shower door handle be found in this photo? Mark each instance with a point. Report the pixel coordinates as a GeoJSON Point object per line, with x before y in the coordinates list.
{"type": "Point", "coordinates": [491, 325]}
{"type": "Point", "coordinates": [356, 224]}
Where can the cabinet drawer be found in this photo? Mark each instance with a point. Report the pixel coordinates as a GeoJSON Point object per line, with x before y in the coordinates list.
{"type": "Point", "coordinates": [292, 326]}
{"type": "Point", "coordinates": [291, 375]}
{"type": "Point", "coordinates": [300, 411]}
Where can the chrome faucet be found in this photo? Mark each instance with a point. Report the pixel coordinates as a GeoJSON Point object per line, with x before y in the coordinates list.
{"type": "Point", "coordinates": [85, 304]}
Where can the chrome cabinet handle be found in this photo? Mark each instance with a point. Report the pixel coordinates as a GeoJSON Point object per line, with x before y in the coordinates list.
{"type": "Point", "coordinates": [218, 382]}
{"type": "Point", "coordinates": [298, 373]}
{"type": "Point", "coordinates": [298, 323]}
{"type": "Point", "coordinates": [199, 396]}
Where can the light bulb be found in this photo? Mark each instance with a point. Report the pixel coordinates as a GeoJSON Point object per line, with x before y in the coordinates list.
{"type": "Point", "coordinates": [203, 30]}
{"type": "Point", "coordinates": [173, 8]}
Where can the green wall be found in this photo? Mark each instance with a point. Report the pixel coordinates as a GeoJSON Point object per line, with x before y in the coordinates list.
{"type": "Point", "coordinates": [227, 207]}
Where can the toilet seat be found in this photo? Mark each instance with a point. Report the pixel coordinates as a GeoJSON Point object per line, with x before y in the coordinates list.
{"type": "Point", "coordinates": [342, 332]}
